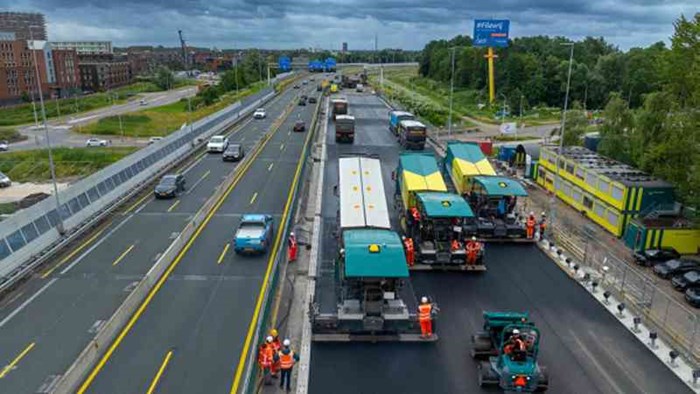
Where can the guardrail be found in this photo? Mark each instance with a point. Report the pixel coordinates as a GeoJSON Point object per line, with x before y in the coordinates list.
{"type": "Point", "coordinates": [252, 369]}
{"type": "Point", "coordinates": [78, 371]}
{"type": "Point", "coordinates": [31, 236]}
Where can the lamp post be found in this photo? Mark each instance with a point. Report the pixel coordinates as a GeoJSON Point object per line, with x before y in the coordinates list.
{"type": "Point", "coordinates": [503, 110]}
{"type": "Point", "coordinates": [552, 201]}
{"type": "Point", "coordinates": [46, 131]}
{"type": "Point", "coordinates": [452, 88]}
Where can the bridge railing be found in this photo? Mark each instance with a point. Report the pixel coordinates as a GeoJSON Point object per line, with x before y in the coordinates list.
{"type": "Point", "coordinates": [30, 236]}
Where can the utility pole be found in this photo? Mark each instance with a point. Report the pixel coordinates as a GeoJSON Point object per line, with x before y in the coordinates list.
{"type": "Point", "coordinates": [46, 130]}
{"type": "Point", "coordinates": [552, 201]}
{"type": "Point", "coordinates": [452, 89]}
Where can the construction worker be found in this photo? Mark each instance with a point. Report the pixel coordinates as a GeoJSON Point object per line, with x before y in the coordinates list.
{"type": "Point", "coordinates": [530, 225]}
{"type": "Point", "coordinates": [473, 247]}
{"type": "Point", "coordinates": [515, 345]}
{"type": "Point", "coordinates": [286, 358]}
{"type": "Point", "coordinates": [455, 245]}
{"type": "Point", "coordinates": [410, 253]}
{"type": "Point", "coordinates": [543, 225]}
{"type": "Point", "coordinates": [425, 318]}
{"type": "Point", "coordinates": [275, 346]}
{"type": "Point", "coordinates": [292, 248]}
{"type": "Point", "coordinates": [265, 361]}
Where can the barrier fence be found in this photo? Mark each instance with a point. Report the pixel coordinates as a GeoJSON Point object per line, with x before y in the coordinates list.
{"type": "Point", "coordinates": [29, 236]}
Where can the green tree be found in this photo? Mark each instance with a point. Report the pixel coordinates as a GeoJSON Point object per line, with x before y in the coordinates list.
{"type": "Point", "coordinates": [682, 66]}
{"type": "Point", "coordinates": [164, 78]}
{"type": "Point", "coordinates": [616, 129]}
{"type": "Point", "coordinates": [576, 124]}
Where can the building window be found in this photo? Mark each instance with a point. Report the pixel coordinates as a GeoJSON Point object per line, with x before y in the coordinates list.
{"type": "Point", "coordinates": [591, 179]}
{"type": "Point", "coordinates": [587, 202]}
{"type": "Point", "coordinates": [580, 173]}
{"type": "Point", "coordinates": [570, 168]}
{"type": "Point", "coordinates": [617, 192]}
{"type": "Point", "coordinates": [604, 186]}
{"type": "Point", "coordinates": [599, 210]}
{"type": "Point", "coordinates": [612, 217]}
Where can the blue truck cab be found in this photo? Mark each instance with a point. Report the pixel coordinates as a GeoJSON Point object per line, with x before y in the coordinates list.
{"type": "Point", "coordinates": [397, 116]}
{"type": "Point", "coordinates": [254, 234]}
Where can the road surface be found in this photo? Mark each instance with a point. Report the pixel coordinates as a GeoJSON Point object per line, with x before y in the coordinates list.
{"type": "Point", "coordinates": [48, 321]}
{"type": "Point", "coordinates": [584, 347]}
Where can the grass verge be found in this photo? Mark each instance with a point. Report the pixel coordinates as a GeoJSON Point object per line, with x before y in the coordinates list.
{"type": "Point", "coordinates": [33, 165]}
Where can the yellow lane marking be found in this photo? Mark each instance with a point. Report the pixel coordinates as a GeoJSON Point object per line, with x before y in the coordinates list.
{"type": "Point", "coordinates": [121, 256]}
{"type": "Point", "coordinates": [206, 174]}
{"type": "Point", "coordinates": [252, 199]}
{"type": "Point", "coordinates": [269, 168]}
{"type": "Point", "coordinates": [156, 379]}
{"type": "Point", "coordinates": [9, 367]}
{"type": "Point", "coordinates": [173, 206]}
{"type": "Point", "coordinates": [73, 253]}
{"type": "Point", "coordinates": [137, 203]}
{"type": "Point", "coordinates": [135, 317]}
{"type": "Point", "coordinates": [261, 295]}
{"type": "Point", "coordinates": [223, 253]}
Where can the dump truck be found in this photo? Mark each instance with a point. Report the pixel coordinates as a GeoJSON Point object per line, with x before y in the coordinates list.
{"type": "Point", "coordinates": [345, 128]}
{"type": "Point", "coordinates": [492, 198]}
{"type": "Point", "coordinates": [340, 106]}
{"type": "Point", "coordinates": [371, 299]}
{"type": "Point", "coordinates": [397, 116]}
{"type": "Point", "coordinates": [432, 219]}
{"type": "Point", "coordinates": [412, 134]}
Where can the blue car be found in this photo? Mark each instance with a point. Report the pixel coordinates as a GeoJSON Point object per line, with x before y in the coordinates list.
{"type": "Point", "coordinates": [254, 234]}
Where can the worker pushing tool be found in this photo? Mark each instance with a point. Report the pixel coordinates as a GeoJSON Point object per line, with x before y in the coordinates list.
{"type": "Point", "coordinates": [530, 225]}
{"type": "Point", "coordinates": [287, 358]}
{"type": "Point", "coordinates": [410, 251]}
{"type": "Point", "coordinates": [426, 310]}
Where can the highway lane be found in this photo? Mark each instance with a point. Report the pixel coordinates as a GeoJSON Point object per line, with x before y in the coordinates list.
{"type": "Point", "coordinates": [59, 310]}
{"type": "Point", "coordinates": [583, 346]}
{"type": "Point", "coordinates": [192, 334]}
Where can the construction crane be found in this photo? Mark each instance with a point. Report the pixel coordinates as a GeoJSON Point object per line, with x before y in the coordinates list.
{"type": "Point", "coordinates": [184, 49]}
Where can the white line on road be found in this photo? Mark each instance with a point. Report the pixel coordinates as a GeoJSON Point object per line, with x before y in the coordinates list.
{"type": "Point", "coordinates": [25, 303]}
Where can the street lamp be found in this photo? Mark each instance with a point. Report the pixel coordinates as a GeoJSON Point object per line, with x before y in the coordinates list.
{"type": "Point", "coordinates": [452, 88]}
{"type": "Point", "coordinates": [46, 130]}
{"type": "Point", "coordinates": [552, 207]}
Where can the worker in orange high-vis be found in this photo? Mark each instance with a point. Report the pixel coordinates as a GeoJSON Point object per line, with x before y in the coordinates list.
{"type": "Point", "coordinates": [286, 358]}
{"type": "Point", "coordinates": [275, 345]}
{"type": "Point", "coordinates": [265, 356]}
{"type": "Point", "coordinates": [473, 247]}
{"type": "Point", "coordinates": [455, 244]}
{"type": "Point", "coordinates": [292, 248]}
{"type": "Point", "coordinates": [530, 225]}
{"type": "Point", "coordinates": [410, 252]}
{"type": "Point", "coordinates": [425, 318]}
{"type": "Point", "coordinates": [543, 224]}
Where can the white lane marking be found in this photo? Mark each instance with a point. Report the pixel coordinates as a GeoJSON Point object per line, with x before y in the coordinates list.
{"type": "Point", "coordinates": [96, 244]}
{"type": "Point", "coordinates": [27, 302]}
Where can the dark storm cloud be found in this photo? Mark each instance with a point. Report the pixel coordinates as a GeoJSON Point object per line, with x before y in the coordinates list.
{"type": "Point", "coordinates": [295, 23]}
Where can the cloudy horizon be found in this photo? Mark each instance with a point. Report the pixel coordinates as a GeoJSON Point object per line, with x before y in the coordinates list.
{"type": "Point", "coordinates": [291, 24]}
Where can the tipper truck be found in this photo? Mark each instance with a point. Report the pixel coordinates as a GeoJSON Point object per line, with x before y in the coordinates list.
{"type": "Point", "coordinates": [412, 134]}
{"type": "Point", "coordinates": [397, 116]}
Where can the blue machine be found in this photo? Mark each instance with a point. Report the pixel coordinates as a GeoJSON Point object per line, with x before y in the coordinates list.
{"type": "Point", "coordinates": [254, 234]}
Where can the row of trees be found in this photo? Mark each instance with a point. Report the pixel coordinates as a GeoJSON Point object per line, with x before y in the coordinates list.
{"type": "Point", "coordinates": [249, 70]}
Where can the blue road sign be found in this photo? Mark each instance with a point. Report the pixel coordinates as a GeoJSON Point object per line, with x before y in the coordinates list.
{"type": "Point", "coordinates": [491, 32]}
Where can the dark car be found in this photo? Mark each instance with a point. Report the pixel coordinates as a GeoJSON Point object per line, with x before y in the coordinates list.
{"type": "Point", "coordinates": [692, 295]}
{"type": "Point", "coordinates": [650, 257]}
{"type": "Point", "coordinates": [302, 100]}
{"type": "Point", "coordinates": [686, 281]}
{"type": "Point", "coordinates": [234, 152]}
{"type": "Point", "coordinates": [299, 125]}
{"type": "Point", "coordinates": [319, 88]}
{"type": "Point", "coordinates": [296, 86]}
{"type": "Point", "coordinates": [169, 186]}
{"type": "Point", "coordinates": [675, 267]}
{"type": "Point", "coordinates": [312, 100]}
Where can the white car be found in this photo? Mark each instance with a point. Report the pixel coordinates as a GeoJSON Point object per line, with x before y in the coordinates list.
{"type": "Point", "coordinates": [153, 140]}
{"type": "Point", "coordinates": [5, 180]}
{"type": "Point", "coordinates": [4, 146]}
{"type": "Point", "coordinates": [217, 143]}
{"type": "Point", "coordinates": [259, 113]}
{"type": "Point", "coordinates": [96, 142]}
{"type": "Point", "coordinates": [143, 102]}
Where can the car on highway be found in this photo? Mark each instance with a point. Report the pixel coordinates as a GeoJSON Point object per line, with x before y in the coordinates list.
{"type": "Point", "coordinates": [296, 86]}
{"type": "Point", "coordinates": [359, 88]}
{"type": "Point", "coordinates": [312, 100]}
{"type": "Point", "coordinates": [4, 146]}
{"type": "Point", "coordinates": [217, 143]}
{"type": "Point", "coordinates": [254, 234]}
{"type": "Point", "coordinates": [153, 140]}
{"type": "Point", "coordinates": [169, 186]}
{"type": "Point", "coordinates": [305, 82]}
{"type": "Point", "coordinates": [143, 102]}
{"type": "Point", "coordinates": [686, 281]}
{"type": "Point", "coordinates": [234, 152]}
{"type": "Point", "coordinates": [692, 296]}
{"type": "Point", "coordinates": [651, 257]}
{"type": "Point", "coordinates": [319, 88]}
{"type": "Point", "coordinates": [5, 180]}
{"type": "Point", "coordinates": [259, 113]}
{"type": "Point", "coordinates": [299, 125]}
{"type": "Point", "coordinates": [96, 142]}
{"type": "Point", "coordinates": [302, 100]}
{"type": "Point", "coordinates": [675, 267]}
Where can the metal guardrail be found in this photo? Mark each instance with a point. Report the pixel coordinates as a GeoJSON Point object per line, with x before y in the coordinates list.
{"type": "Point", "coordinates": [30, 236]}
{"type": "Point", "coordinates": [675, 323]}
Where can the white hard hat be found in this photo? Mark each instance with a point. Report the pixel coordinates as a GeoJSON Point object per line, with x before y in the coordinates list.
{"type": "Point", "coordinates": [424, 300]}
{"type": "Point", "coordinates": [532, 213]}
{"type": "Point", "coordinates": [544, 214]}
{"type": "Point", "coordinates": [473, 238]}
{"type": "Point", "coordinates": [286, 342]}
{"type": "Point", "coordinates": [291, 234]}
{"type": "Point", "coordinates": [516, 331]}
{"type": "Point", "coordinates": [403, 237]}
{"type": "Point", "coordinates": [269, 338]}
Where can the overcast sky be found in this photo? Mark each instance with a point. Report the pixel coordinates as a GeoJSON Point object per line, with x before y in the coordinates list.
{"type": "Point", "coordinates": [407, 24]}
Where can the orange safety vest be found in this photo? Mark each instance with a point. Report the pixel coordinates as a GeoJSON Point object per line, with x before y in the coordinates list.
{"type": "Point", "coordinates": [415, 214]}
{"type": "Point", "coordinates": [424, 312]}
{"type": "Point", "coordinates": [286, 360]}
{"type": "Point", "coordinates": [455, 245]}
{"type": "Point", "coordinates": [276, 345]}
{"type": "Point", "coordinates": [473, 247]}
{"type": "Point", "coordinates": [531, 221]}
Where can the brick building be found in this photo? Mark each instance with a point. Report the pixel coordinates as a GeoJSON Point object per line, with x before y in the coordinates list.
{"type": "Point", "coordinates": [99, 75]}
{"type": "Point", "coordinates": [66, 67]}
{"type": "Point", "coordinates": [17, 72]}
{"type": "Point", "coordinates": [22, 23]}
